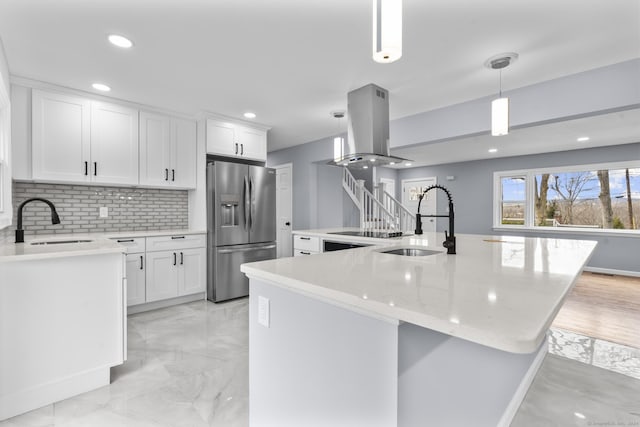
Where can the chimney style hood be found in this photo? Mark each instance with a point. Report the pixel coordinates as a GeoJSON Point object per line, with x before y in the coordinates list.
{"type": "Point", "coordinates": [368, 132]}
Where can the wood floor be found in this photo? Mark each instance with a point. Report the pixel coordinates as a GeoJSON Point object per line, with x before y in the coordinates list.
{"type": "Point", "coordinates": [605, 307]}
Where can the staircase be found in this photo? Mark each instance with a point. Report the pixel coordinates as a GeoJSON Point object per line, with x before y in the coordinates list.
{"type": "Point", "coordinates": [379, 211]}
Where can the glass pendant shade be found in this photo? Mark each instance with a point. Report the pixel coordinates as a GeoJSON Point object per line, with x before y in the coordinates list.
{"type": "Point", "coordinates": [387, 30]}
{"type": "Point", "coordinates": [500, 116]}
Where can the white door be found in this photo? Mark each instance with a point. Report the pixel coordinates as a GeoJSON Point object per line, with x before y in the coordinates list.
{"type": "Point", "coordinates": [162, 275]}
{"type": "Point", "coordinates": [114, 144]}
{"type": "Point", "coordinates": [221, 139]}
{"type": "Point", "coordinates": [155, 149]}
{"type": "Point", "coordinates": [61, 137]}
{"type": "Point", "coordinates": [411, 189]}
{"type": "Point", "coordinates": [183, 153]}
{"type": "Point", "coordinates": [284, 210]}
{"type": "Point", "coordinates": [135, 279]}
{"type": "Point", "coordinates": [192, 277]}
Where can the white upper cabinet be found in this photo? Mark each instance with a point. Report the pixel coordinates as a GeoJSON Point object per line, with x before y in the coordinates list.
{"type": "Point", "coordinates": [61, 137]}
{"type": "Point", "coordinates": [167, 151]}
{"type": "Point", "coordinates": [78, 140]}
{"type": "Point", "coordinates": [183, 153]}
{"type": "Point", "coordinates": [253, 143]}
{"type": "Point", "coordinates": [221, 139]}
{"type": "Point", "coordinates": [114, 144]}
{"type": "Point", "coordinates": [234, 140]}
{"type": "Point", "coordinates": [155, 149]}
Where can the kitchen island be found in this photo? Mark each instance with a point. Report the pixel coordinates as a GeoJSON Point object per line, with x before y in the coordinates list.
{"type": "Point", "coordinates": [363, 337]}
{"type": "Point", "coordinates": [62, 319]}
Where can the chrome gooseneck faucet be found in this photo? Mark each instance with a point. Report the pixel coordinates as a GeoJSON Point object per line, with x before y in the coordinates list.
{"type": "Point", "coordinates": [450, 238]}
{"type": "Point", "coordinates": [55, 219]}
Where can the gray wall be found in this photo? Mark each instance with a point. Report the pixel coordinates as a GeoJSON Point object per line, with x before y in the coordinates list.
{"type": "Point", "coordinates": [130, 209]}
{"type": "Point", "coordinates": [472, 192]}
{"type": "Point", "coordinates": [318, 198]}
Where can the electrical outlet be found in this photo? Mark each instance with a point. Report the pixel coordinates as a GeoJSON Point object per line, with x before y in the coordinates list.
{"type": "Point", "coordinates": [104, 211]}
{"type": "Point", "coordinates": [263, 311]}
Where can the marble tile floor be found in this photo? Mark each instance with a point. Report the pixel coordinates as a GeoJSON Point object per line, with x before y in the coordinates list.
{"type": "Point", "coordinates": [188, 366]}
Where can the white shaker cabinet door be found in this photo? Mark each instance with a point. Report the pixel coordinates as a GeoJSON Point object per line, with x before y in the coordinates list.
{"type": "Point", "coordinates": [193, 276]}
{"type": "Point", "coordinates": [136, 293]}
{"type": "Point", "coordinates": [183, 153]}
{"type": "Point", "coordinates": [253, 143]}
{"type": "Point", "coordinates": [221, 139]}
{"type": "Point", "coordinates": [61, 137]}
{"type": "Point", "coordinates": [162, 275]}
{"type": "Point", "coordinates": [155, 149]}
{"type": "Point", "coordinates": [114, 144]}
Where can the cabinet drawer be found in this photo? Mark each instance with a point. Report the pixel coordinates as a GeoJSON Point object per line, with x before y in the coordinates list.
{"type": "Point", "coordinates": [298, 252]}
{"type": "Point", "coordinates": [133, 244]}
{"type": "Point", "coordinates": [306, 243]}
{"type": "Point", "coordinates": [176, 241]}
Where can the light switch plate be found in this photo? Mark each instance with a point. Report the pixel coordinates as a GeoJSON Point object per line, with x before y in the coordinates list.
{"type": "Point", "coordinates": [104, 211]}
{"type": "Point", "coordinates": [263, 311]}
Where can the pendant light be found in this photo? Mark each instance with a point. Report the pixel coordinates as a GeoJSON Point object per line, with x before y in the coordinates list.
{"type": "Point", "coordinates": [387, 30]}
{"type": "Point", "coordinates": [338, 141]}
{"type": "Point", "coordinates": [500, 105]}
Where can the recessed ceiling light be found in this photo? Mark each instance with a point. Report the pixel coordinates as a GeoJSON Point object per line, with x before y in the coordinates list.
{"type": "Point", "coordinates": [583, 139]}
{"type": "Point", "coordinates": [372, 160]}
{"type": "Point", "coordinates": [250, 115]}
{"type": "Point", "coordinates": [392, 163]}
{"type": "Point", "coordinates": [365, 167]}
{"type": "Point", "coordinates": [101, 87]}
{"type": "Point", "coordinates": [493, 150]}
{"type": "Point", "coordinates": [120, 41]}
{"type": "Point", "coordinates": [407, 164]}
{"type": "Point", "coordinates": [579, 415]}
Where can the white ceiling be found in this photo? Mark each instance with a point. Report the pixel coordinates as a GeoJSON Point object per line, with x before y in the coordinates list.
{"type": "Point", "coordinates": [293, 61]}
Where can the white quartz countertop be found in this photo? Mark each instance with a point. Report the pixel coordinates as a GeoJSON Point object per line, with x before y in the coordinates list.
{"type": "Point", "coordinates": [98, 243]}
{"type": "Point", "coordinates": [498, 291]}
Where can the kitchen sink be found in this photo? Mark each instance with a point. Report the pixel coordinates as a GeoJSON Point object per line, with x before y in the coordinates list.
{"type": "Point", "coordinates": [60, 242]}
{"type": "Point", "coordinates": [410, 252]}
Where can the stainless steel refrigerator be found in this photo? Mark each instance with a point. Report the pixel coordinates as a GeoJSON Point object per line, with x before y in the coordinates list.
{"type": "Point", "coordinates": [241, 210]}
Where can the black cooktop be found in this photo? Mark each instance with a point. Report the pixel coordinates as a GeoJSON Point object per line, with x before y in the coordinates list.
{"type": "Point", "coordinates": [374, 234]}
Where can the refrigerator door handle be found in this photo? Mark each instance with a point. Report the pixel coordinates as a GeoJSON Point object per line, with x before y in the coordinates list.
{"type": "Point", "coordinates": [251, 203]}
{"type": "Point", "coordinates": [245, 211]}
{"type": "Point", "coordinates": [228, 251]}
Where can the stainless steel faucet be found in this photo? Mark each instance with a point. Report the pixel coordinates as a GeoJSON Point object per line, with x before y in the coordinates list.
{"type": "Point", "coordinates": [450, 238]}
{"type": "Point", "coordinates": [55, 219]}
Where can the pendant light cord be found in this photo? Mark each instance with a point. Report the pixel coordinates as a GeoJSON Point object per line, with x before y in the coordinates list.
{"type": "Point", "coordinates": [500, 82]}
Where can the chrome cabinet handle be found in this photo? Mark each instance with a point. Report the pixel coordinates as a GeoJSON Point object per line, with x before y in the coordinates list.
{"type": "Point", "coordinates": [231, 251]}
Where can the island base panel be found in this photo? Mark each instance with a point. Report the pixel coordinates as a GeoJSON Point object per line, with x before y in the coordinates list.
{"type": "Point", "coordinates": [318, 364]}
{"type": "Point", "coordinates": [447, 381]}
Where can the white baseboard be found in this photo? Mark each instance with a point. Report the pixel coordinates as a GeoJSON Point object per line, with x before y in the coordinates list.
{"type": "Point", "coordinates": [141, 308]}
{"type": "Point", "coordinates": [612, 271]}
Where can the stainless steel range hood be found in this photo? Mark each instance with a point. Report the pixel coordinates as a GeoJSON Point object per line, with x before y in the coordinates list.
{"type": "Point", "coordinates": [368, 132]}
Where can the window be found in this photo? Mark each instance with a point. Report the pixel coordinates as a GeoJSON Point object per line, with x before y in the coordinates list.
{"type": "Point", "coordinates": [588, 197]}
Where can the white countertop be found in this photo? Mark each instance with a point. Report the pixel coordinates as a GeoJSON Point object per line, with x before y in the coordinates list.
{"type": "Point", "coordinates": [498, 291]}
{"type": "Point", "coordinates": [99, 243]}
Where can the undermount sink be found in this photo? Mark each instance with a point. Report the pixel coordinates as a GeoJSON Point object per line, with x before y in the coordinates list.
{"type": "Point", "coordinates": [60, 242]}
{"type": "Point", "coordinates": [410, 252]}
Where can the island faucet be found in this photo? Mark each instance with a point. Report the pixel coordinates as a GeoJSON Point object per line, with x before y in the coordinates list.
{"type": "Point", "coordinates": [450, 239]}
{"type": "Point", "coordinates": [55, 219]}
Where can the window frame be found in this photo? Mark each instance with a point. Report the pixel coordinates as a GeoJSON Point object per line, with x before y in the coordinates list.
{"type": "Point", "coordinates": [529, 216]}
{"type": "Point", "coordinates": [6, 207]}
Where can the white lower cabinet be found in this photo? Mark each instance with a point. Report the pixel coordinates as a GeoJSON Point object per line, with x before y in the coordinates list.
{"type": "Point", "coordinates": [175, 273]}
{"type": "Point", "coordinates": [193, 276]}
{"type": "Point", "coordinates": [162, 275]}
{"type": "Point", "coordinates": [164, 267]}
{"type": "Point", "coordinates": [136, 289]}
